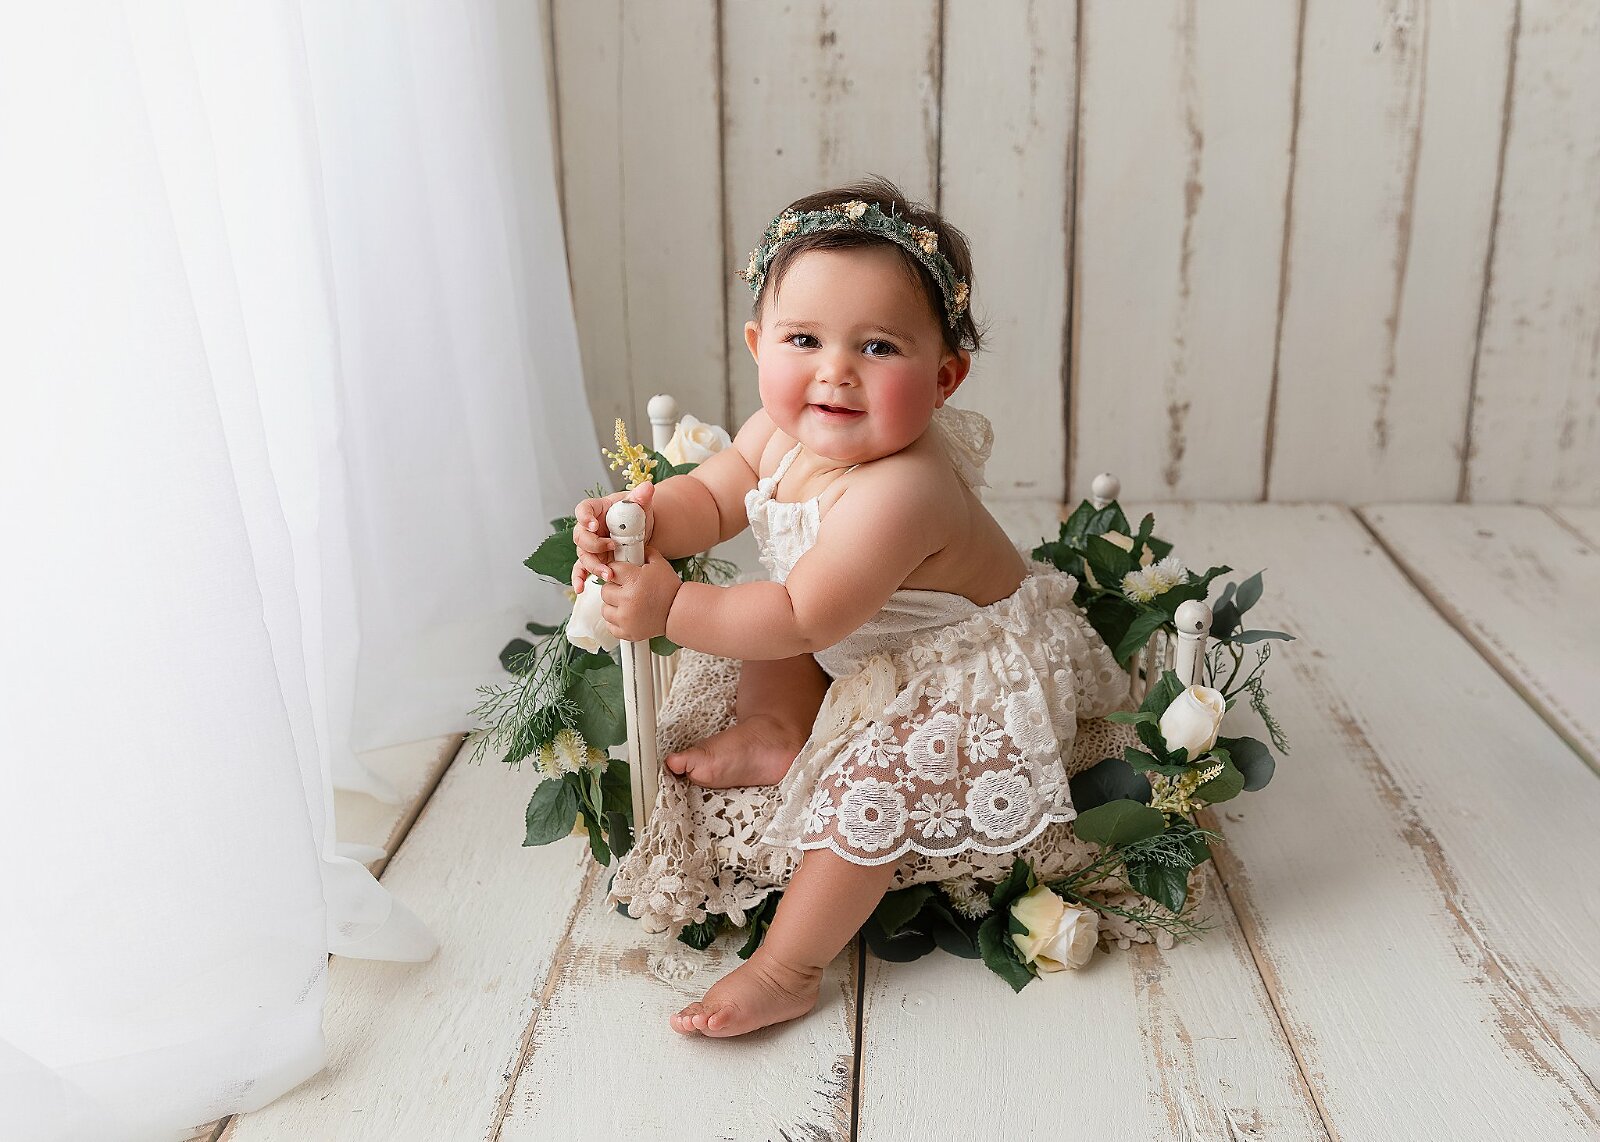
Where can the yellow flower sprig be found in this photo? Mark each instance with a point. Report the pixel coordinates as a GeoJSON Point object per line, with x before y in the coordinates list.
{"type": "Point", "coordinates": [631, 458]}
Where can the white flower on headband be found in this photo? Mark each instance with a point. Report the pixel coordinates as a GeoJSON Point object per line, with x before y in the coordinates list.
{"type": "Point", "coordinates": [855, 208]}
{"type": "Point", "coordinates": [928, 240]}
{"type": "Point", "coordinates": [787, 225]}
{"type": "Point", "coordinates": [961, 297]}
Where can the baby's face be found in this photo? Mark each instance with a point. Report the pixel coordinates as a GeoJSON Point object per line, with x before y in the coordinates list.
{"type": "Point", "coordinates": [851, 360]}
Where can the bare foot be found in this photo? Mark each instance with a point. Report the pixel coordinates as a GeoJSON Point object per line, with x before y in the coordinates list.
{"type": "Point", "coordinates": [756, 994]}
{"type": "Point", "coordinates": [756, 751]}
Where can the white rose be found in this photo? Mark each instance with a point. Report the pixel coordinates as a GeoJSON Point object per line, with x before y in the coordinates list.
{"type": "Point", "coordinates": [1059, 935]}
{"type": "Point", "coordinates": [1192, 720]}
{"type": "Point", "coordinates": [1126, 543]}
{"type": "Point", "coordinates": [586, 629]}
{"type": "Point", "coordinates": [695, 441]}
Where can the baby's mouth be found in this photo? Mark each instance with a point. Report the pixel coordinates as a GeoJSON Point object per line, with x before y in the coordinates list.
{"type": "Point", "coordinates": [839, 411]}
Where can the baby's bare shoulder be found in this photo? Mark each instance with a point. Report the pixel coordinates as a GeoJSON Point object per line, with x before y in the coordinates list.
{"type": "Point", "coordinates": [918, 479]}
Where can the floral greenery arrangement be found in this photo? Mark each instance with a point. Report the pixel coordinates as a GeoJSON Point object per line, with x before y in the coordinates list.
{"type": "Point", "coordinates": [1137, 808]}
{"type": "Point", "coordinates": [565, 708]}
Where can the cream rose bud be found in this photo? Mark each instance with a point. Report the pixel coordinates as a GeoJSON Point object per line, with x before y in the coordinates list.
{"type": "Point", "coordinates": [1192, 720]}
{"type": "Point", "coordinates": [695, 441]}
{"type": "Point", "coordinates": [1059, 935]}
{"type": "Point", "coordinates": [586, 630]}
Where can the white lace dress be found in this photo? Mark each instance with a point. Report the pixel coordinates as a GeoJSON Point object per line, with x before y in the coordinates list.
{"type": "Point", "coordinates": [945, 742]}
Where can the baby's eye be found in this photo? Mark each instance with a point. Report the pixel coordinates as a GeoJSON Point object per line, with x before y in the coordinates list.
{"type": "Point", "coordinates": [792, 336]}
{"type": "Point", "coordinates": [880, 341]}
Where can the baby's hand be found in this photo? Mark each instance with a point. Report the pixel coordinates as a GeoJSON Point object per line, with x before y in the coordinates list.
{"type": "Point", "coordinates": [592, 538]}
{"type": "Point", "coordinates": [636, 601]}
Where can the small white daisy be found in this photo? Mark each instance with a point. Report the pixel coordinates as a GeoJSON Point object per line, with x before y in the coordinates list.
{"type": "Point", "coordinates": [1148, 582]}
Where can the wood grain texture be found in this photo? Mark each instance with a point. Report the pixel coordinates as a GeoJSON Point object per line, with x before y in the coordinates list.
{"type": "Point", "coordinates": [638, 89]}
{"type": "Point", "coordinates": [816, 94]}
{"type": "Point", "coordinates": [1007, 120]}
{"type": "Point", "coordinates": [1408, 884]}
{"type": "Point", "coordinates": [1523, 589]}
{"type": "Point", "coordinates": [1396, 155]}
{"type": "Point", "coordinates": [1536, 417]}
{"type": "Point", "coordinates": [604, 1015]}
{"type": "Point", "coordinates": [1137, 1044]}
{"type": "Point", "coordinates": [1186, 124]}
{"type": "Point", "coordinates": [430, 1050]}
{"type": "Point", "coordinates": [413, 770]}
{"type": "Point", "coordinates": [1582, 522]}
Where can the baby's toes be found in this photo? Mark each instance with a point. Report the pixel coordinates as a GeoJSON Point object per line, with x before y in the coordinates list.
{"type": "Point", "coordinates": [683, 1021]}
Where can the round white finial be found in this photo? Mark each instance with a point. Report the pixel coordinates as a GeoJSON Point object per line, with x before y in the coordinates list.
{"type": "Point", "coordinates": [1106, 487]}
{"type": "Point", "coordinates": [1193, 617]}
{"type": "Point", "coordinates": [625, 520]}
{"type": "Point", "coordinates": [662, 407]}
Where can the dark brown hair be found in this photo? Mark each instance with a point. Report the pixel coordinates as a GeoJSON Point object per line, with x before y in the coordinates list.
{"type": "Point", "coordinates": [964, 334]}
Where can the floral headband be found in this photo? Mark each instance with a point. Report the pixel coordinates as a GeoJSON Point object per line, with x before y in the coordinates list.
{"type": "Point", "coordinates": [922, 243]}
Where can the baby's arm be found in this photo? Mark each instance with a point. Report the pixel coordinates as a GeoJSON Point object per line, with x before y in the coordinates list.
{"type": "Point", "coordinates": [684, 514]}
{"type": "Point", "coordinates": [875, 535]}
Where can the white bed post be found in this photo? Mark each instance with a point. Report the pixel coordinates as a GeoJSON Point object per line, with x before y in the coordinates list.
{"type": "Point", "coordinates": [625, 523]}
{"type": "Point", "coordinates": [663, 413]}
{"type": "Point", "coordinates": [1193, 621]}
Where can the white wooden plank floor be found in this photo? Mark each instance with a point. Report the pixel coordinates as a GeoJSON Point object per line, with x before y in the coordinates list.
{"type": "Point", "coordinates": [1405, 918]}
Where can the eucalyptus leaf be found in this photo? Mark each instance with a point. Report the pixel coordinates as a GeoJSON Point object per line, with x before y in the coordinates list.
{"type": "Point", "coordinates": [1118, 823]}
{"type": "Point", "coordinates": [1252, 759]}
{"type": "Point", "coordinates": [1112, 779]}
{"type": "Point", "coordinates": [1261, 636]}
{"type": "Point", "coordinates": [662, 645]}
{"type": "Point", "coordinates": [513, 650]}
{"type": "Point", "coordinates": [542, 628]}
{"type": "Point", "coordinates": [552, 810]}
{"type": "Point", "coordinates": [1224, 786]}
{"type": "Point", "coordinates": [1249, 592]}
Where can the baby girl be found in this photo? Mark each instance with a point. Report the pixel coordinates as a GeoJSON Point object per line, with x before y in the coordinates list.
{"type": "Point", "coordinates": [906, 675]}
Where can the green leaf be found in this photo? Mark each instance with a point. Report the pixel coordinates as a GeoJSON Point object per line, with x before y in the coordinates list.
{"type": "Point", "coordinates": [662, 645]}
{"type": "Point", "coordinates": [1199, 851]}
{"type": "Point", "coordinates": [994, 944]}
{"type": "Point", "coordinates": [597, 691]}
{"type": "Point", "coordinates": [1260, 636]}
{"type": "Point", "coordinates": [1224, 786]}
{"type": "Point", "coordinates": [954, 933]}
{"type": "Point", "coordinates": [551, 811]}
{"type": "Point", "coordinates": [700, 936]}
{"type": "Point", "coordinates": [1249, 592]}
{"type": "Point", "coordinates": [1161, 695]}
{"type": "Point", "coordinates": [1118, 823]}
{"type": "Point", "coordinates": [542, 629]}
{"type": "Point", "coordinates": [1164, 883]}
{"type": "Point", "coordinates": [1138, 633]}
{"type": "Point", "coordinates": [513, 650]}
{"type": "Point", "coordinates": [760, 919]}
{"type": "Point", "coordinates": [555, 558]}
{"type": "Point", "coordinates": [1110, 780]}
{"type": "Point", "coordinates": [618, 832]}
{"type": "Point", "coordinates": [900, 906]}
{"type": "Point", "coordinates": [597, 837]}
{"type": "Point", "coordinates": [1109, 561]}
{"type": "Point", "coordinates": [1132, 717]}
{"type": "Point", "coordinates": [1144, 763]}
{"type": "Point", "coordinates": [1019, 881]}
{"type": "Point", "coordinates": [902, 948]}
{"type": "Point", "coordinates": [1252, 759]}
{"type": "Point", "coordinates": [616, 788]}
{"type": "Point", "coordinates": [1150, 734]}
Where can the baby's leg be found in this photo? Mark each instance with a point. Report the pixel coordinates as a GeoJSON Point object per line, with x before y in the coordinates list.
{"type": "Point", "coordinates": [827, 901]}
{"type": "Point", "coordinates": [776, 705]}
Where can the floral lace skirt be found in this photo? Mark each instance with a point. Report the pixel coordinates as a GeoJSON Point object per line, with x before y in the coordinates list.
{"type": "Point", "coordinates": [711, 850]}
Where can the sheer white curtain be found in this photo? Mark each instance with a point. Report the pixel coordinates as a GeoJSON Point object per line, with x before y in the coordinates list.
{"type": "Point", "coordinates": [290, 388]}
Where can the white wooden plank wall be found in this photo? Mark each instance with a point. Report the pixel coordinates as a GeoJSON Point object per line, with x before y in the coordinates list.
{"type": "Point", "coordinates": [1325, 250]}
